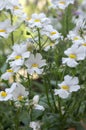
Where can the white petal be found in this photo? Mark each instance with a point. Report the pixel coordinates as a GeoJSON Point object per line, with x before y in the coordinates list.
{"type": "Point", "coordinates": [80, 53]}
{"type": "Point", "coordinates": [39, 107]}
{"type": "Point", "coordinates": [26, 54]}
{"type": "Point", "coordinates": [36, 99]}
{"type": "Point", "coordinates": [74, 88]}
{"type": "Point", "coordinates": [71, 63]}
{"type": "Point", "coordinates": [68, 78]}
{"type": "Point", "coordinates": [62, 93]}
{"type": "Point", "coordinates": [74, 81]}
{"type": "Point", "coordinates": [38, 56]}
{"type": "Point", "coordinates": [64, 60]}
{"type": "Point", "coordinates": [6, 75]}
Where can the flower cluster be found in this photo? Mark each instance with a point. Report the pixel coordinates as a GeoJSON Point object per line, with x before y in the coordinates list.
{"type": "Point", "coordinates": [40, 24]}
{"type": "Point", "coordinates": [61, 4]}
{"type": "Point", "coordinates": [50, 54]}
{"type": "Point", "coordinates": [16, 92]}
{"type": "Point", "coordinates": [22, 56]}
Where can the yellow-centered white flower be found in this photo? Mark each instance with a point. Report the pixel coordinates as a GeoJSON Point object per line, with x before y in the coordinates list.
{"type": "Point", "coordinates": [74, 53]}
{"type": "Point", "coordinates": [35, 63]}
{"type": "Point", "coordinates": [61, 4]}
{"type": "Point", "coordinates": [6, 28]}
{"type": "Point", "coordinates": [8, 4]}
{"type": "Point", "coordinates": [9, 73]}
{"type": "Point", "coordinates": [5, 96]}
{"type": "Point", "coordinates": [38, 20]}
{"type": "Point", "coordinates": [18, 91]}
{"type": "Point", "coordinates": [51, 32]}
{"type": "Point", "coordinates": [74, 36]}
{"type": "Point", "coordinates": [69, 85]}
{"type": "Point", "coordinates": [19, 54]}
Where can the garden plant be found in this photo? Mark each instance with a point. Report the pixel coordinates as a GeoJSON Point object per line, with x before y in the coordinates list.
{"type": "Point", "coordinates": [43, 66]}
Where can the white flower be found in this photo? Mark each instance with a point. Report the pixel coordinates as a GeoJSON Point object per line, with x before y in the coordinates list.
{"type": "Point", "coordinates": [38, 21]}
{"type": "Point", "coordinates": [51, 32]}
{"type": "Point", "coordinates": [75, 53]}
{"type": "Point", "coordinates": [7, 74]}
{"type": "Point", "coordinates": [18, 11]}
{"type": "Point", "coordinates": [18, 91]}
{"type": "Point", "coordinates": [74, 36]}
{"type": "Point", "coordinates": [6, 28]}
{"type": "Point", "coordinates": [18, 56]}
{"type": "Point", "coordinates": [83, 45]}
{"type": "Point", "coordinates": [5, 96]}
{"type": "Point", "coordinates": [14, 6]}
{"type": "Point", "coordinates": [34, 64]}
{"type": "Point", "coordinates": [36, 105]}
{"type": "Point", "coordinates": [35, 125]}
{"type": "Point", "coordinates": [19, 50]}
{"type": "Point", "coordinates": [61, 4]}
{"type": "Point", "coordinates": [8, 4]}
{"type": "Point", "coordinates": [2, 4]}
{"type": "Point", "coordinates": [16, 65]}
{"type": "Point", "coordinates": [69, 85]}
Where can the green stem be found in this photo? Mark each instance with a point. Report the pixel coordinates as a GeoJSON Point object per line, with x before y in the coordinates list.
{"type": "Point", "coordinates": [16, 116]}
{"type": "Point", "coordinates": [59, 105]}
{"type": "Point", "coordinates": [12, 35]}
{"type": "Point", "coordinates": [29, 82]}
{"type": "Point", "coordinates": [44, 42]}
{"type": "Point", "coordinates": [67, 20]}
{"type": "Point", "coordinates": [47, 93]}
{"type": "Point", "coordinates": [52, 94]}
{"type": "Point", "coordinates": [39, 39]}
{"type": "Point", "coordinates": [33, 38]}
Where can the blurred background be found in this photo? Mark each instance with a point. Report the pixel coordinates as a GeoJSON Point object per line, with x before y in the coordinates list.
{"type": "Point", "coordinates": [31, 6]}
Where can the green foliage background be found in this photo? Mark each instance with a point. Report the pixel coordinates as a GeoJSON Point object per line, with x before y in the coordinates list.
{"type": "Point", "coordinates": [9, 115]}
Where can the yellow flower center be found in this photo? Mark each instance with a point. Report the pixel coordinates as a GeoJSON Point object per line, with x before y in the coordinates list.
{"type": "Point", "coordinates": [20, 98]}
{"type": "Point", "coordinates": [35, 65]}
{"type": "Point", "coordinates": [2, 30]}
{"type": "Point", "coordinates": [16, 7]}
{"type": "Point", "coordinates": [18, 57]}
{"type": "Point", "coordinates": [3, 94]}
{"type": "Point", "coordinates": [65, 87]}
{"type": "Point", "coordinates": [52, 33]}
{"type": "Point", "coordinates": [84, 44]}
{"type": "Point", "coordinates": [73, 56]}
{"type": "Point", "coordinates": [76, 38]}
{"type": "Point", "coordinates": [62, 2]}
{"type": "Point", "coordinates": [37, 20]}
{"type": "Point", "coordinates": [9, 70]}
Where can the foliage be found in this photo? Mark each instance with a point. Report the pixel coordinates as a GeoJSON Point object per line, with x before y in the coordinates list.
{"type": "Point", "coordinates": [42, 61]}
